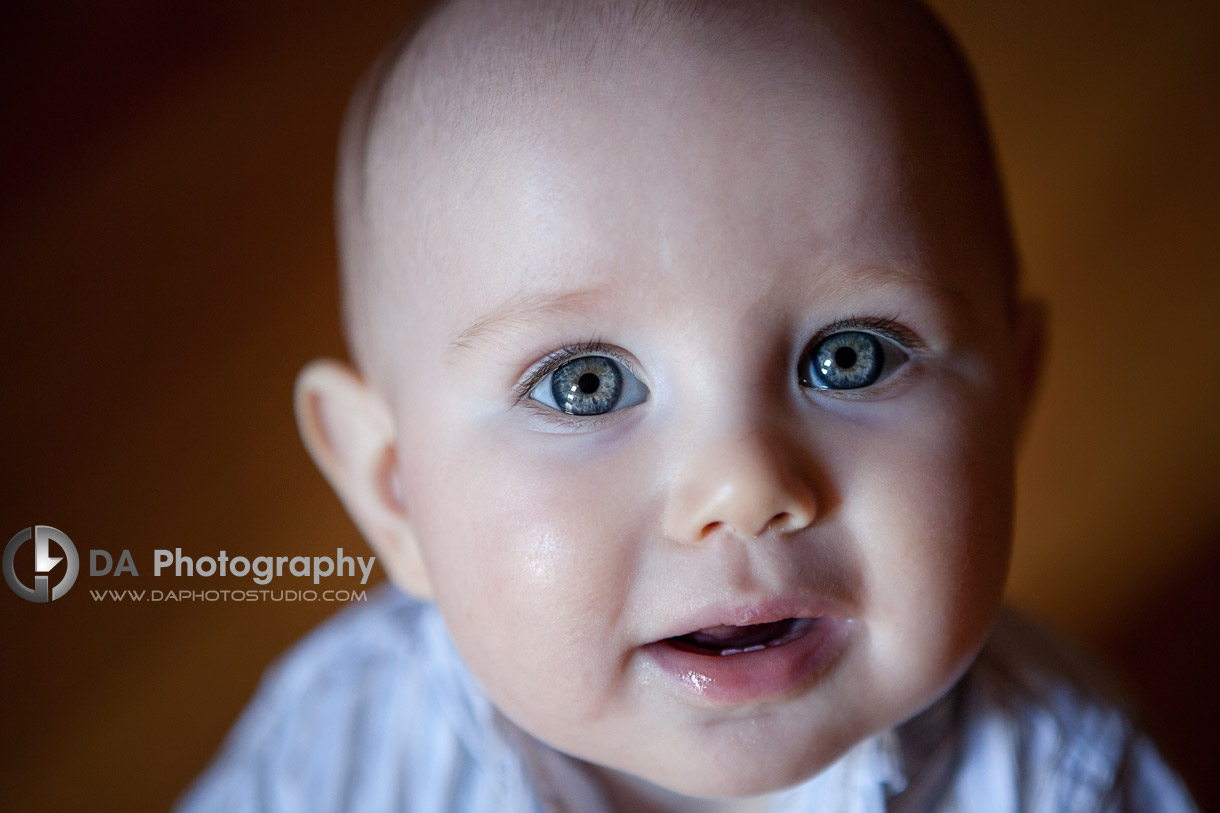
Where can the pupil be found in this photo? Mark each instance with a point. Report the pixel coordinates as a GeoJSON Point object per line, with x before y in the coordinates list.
{"type": "Point", "coordinates": [845, 357]}
{"type": "Point", "coordinates": [590, 383]}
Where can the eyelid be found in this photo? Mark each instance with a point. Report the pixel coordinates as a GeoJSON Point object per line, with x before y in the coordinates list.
{"type": "Point", "coordinates": [556, 359]}
{"type": "Point", "coordinates": [886, 326]}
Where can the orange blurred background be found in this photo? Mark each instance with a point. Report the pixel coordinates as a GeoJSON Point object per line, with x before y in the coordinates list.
{"type": "Point", "coordinates": [168, 264]}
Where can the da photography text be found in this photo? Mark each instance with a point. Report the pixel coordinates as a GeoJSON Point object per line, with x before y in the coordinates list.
{"type": "Point", "coordinates": [50, 564]}
{"type": "Point", "coordinates": [262, 569]}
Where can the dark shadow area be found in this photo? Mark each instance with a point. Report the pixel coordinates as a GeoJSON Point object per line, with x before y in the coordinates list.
{"type": "Point", "coordinates": [1164, 647]}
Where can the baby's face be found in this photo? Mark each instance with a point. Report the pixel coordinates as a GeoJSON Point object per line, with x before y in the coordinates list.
{"type": "Point", "coordinates": [705, 418]}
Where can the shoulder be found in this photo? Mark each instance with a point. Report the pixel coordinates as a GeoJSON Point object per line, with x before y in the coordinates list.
{"type": "Point", "coordinates": [343, 720]}
{"type": "Point", "coordinates": [1037, 725]}
{"type": "Point", "coordinates": [366, 655]}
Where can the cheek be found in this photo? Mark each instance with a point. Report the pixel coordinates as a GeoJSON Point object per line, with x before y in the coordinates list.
{"type": "Point", "coordinates": [933, 514]}
{"type": "Point", "coordinates": [529, 567]}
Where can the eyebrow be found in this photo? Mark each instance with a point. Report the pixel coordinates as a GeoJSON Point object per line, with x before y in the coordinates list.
{"type": "Point", "coordinates": [520, 310]}
{"type": "Point", "coordinates": [524, 308]}
{"type": "Point", "coordinates": [887, 274]}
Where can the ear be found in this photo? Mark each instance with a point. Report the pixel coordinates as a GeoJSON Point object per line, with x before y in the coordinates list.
{"type": "Point", "coordinates": [1030, 345]}
{"type": "Point", "coordinates": [349, 432]}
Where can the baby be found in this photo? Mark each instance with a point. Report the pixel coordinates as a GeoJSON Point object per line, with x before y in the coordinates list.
{"type": "Point", "coordinates": [689, 367]}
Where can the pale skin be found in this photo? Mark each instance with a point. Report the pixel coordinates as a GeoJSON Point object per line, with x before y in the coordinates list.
{"type": "Point", "coordinates": [705, 248]}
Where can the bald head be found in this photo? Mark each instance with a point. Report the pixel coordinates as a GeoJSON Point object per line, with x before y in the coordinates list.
{"type": "Point", "coordinates": [427, 128]}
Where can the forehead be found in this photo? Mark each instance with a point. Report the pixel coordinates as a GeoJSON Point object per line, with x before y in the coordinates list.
{"type": "Point", "coordinates": [698, 173]}
{"type": "Point", "coordinates": [686, 160]}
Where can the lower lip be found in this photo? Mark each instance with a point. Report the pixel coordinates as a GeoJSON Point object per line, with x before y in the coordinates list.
{"type": "Point", "coordinates": [753, 676]}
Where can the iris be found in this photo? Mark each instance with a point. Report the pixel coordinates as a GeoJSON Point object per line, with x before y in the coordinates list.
{"type": "Point", "coordinates": [590, 385]}
{"type": "Point", "coordinates": [846, 361]}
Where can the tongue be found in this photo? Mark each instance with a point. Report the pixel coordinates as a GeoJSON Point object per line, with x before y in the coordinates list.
{"type": "Point", "coordinates": [724, 638]}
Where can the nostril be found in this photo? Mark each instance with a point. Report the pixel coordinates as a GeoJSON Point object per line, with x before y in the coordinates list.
{"type": "Point", "coordinates": [783, 521]}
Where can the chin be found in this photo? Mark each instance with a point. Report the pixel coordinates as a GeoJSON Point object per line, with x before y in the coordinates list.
{"type": "Point", "coordinates": [742, 787]}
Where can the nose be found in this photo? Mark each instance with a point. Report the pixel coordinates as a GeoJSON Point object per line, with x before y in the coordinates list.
{"type": "Point", "coordinates": [748, 485]}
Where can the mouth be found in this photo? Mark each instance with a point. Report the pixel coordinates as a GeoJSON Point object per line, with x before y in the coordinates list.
{"type": "Point", "coordinates": [727, 640]}
{"type": "Point", "coordinates": [732, 664]}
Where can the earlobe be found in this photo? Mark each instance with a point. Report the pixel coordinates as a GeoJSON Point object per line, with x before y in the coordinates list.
{"type": "Point", "coordinates": [348, 430]}
{"type": "Point", "coordinates": [1030, 350]}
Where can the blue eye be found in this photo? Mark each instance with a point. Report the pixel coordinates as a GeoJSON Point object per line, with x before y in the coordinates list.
{"type": "Point", "coordinates": [849, 360]}
{"type": "Point", "coordinates": [589, 385]}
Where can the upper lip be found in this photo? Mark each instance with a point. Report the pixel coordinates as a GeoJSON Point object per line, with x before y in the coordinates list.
{"type": "Point", "coordinates": [746, 612]}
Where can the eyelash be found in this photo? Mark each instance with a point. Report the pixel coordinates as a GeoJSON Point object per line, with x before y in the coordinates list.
{"type": "Point", "coordinates": [552, 362]}
{"type": "Point", "coordinates": [887, 326]}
